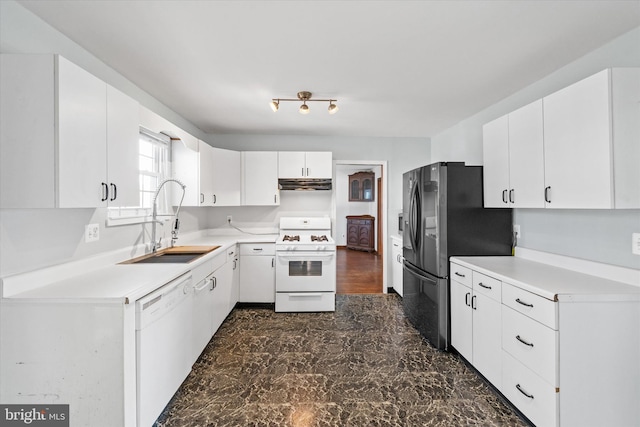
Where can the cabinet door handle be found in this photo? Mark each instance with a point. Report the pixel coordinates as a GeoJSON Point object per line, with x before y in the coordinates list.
{"type": "Point", "coordinates": [307, 171]}
{"type": "Point", "coordinates": [235, 264]}
{"type": "Point", "coordinates": [530, 396]}
{"type": "Point", "coordinates": [529, 344]}
{"type": "Point", "coordinates": [473, 302]}
{"type": "Point", "coordinates": [273, 262]}
{"type": "Point", "coordinates": [482, 285]}
{"type": "Point", "coordinates": [512, 196]}
{"type": "Point", "coordinates": [115, 192]}
{"type": "Point", "coordinates": [302, 171]}
{"type": "Point", "coordinates": [105, 192]}
{"type": "Point", "coordinates": [201, 197]}
{"type": "Point", "coordinates": [275, 198]}
{"type": "Point", "coordinates": [547, 192]}
{"type": "Point", "coordinates": [458, 274]}
{"type": "Point", "coordinates": [504, 196]}
{"type": "Point", "coordinates": [466, 299]}
{"type": "Point", "coordinates": [215, 200]}
{"type": "Point", "coordinates": [526, 304]}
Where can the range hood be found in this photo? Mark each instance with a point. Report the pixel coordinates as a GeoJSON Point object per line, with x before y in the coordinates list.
{"type": "Point", "coordinates": [304, 184]}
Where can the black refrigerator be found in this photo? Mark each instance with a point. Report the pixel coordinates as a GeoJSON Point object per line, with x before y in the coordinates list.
{"type": "Point", "coordinates": [444, 216]}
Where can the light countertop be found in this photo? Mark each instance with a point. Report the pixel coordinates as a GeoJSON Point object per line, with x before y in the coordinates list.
{"type": "Point", "coordinates": [550, 282]}
{"type": "Point", "coordinates": [112, 282]}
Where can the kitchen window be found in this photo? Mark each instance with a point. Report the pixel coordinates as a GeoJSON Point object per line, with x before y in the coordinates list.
{"type": "Point", "coordinates": [153, 168]}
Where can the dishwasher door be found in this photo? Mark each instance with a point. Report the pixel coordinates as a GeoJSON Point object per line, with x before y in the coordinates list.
{"type": "Point", "coordinates": [163, 341]}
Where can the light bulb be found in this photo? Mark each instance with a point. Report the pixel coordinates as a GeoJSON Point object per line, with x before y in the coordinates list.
{"type": "Point", "coordinates": [304, 109]}
{"type": "Point", "coordinates": [333, 108]}
{"type": "Point", "coordinates": [274, 105]}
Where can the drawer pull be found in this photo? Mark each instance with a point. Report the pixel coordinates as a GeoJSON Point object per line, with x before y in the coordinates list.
{"type": "Point", "coordinates": [523, 341]}
{"type": "Point", "coordinates": [257, 249]}
{"type": "Point", "coordinates": [530, 396]}
{"type": "Point", "coordinates": [461, 275]}
{"type": "Point", "coordinates": [484, 286]}
{"type": "Point", "coordinates": [526, 304]}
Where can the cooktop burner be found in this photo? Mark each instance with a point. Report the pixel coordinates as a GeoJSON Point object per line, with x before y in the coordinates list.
{"type": "Point", "coordinates": [322, 238]}
{"type": "Point", "coordinates": [288, 238]}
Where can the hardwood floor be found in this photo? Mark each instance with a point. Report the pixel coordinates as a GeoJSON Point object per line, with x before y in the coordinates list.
{"type": "Point", "coordinates": [358, 272]}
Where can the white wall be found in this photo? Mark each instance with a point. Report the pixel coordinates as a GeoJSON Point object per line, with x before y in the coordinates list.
{"type": "Point", "coordinates": [597, 235]}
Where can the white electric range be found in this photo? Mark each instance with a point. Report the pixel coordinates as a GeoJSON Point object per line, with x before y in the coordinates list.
{"type": "Point", "coordinates": [305, 265]}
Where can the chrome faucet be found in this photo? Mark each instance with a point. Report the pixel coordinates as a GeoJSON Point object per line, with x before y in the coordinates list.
{"type": "Point", "coordinates": [176, 225]}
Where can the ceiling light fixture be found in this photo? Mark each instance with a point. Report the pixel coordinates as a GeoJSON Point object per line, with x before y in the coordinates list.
{"type": "Point", "coordinates": [305, 97]}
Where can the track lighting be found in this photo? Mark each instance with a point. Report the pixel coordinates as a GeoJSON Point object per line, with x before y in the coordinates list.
{"type": "Point", "coordinates": [305, 97]}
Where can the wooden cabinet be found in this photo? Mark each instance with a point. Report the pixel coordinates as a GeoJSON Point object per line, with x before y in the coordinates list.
{"type": "Point", "coordinates": [300, 164]}
{"type": "Point", "coordinates": [361, 232]}
{"type": "Point", "coordinates": [476, 320]}
{"type": "Point", "coordinates": [68, 138]}
{"type": "Point", "coordinates": [396, 269]}
{"type": "Point", "coordinates": [258, 272]}
{"type": "Point", "coordinates": [260, 178]}
{"type": "Point", "coordinates": [361, 187]}
{"type": "Point", "coordinates": [514, 159]}
{"type": "Point", "coordinates": [576, 148]}
{"type": "Point", "coordinates": [553, 350]}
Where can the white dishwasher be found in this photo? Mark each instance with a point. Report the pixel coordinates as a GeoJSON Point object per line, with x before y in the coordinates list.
{"type": "Point", "coordinates": [163, 340]}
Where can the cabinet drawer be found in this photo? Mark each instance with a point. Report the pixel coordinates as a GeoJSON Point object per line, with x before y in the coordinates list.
{"type": "Point", "coordinates": [461, 274]}
{"type": "Point", "coordinates": [541, 404]}
{"type": "Point", "coordinates": [531, 343]}
{"type": "Point", "coordinates": [257, 249]}
{"type": "Point", "coordinates": [305, 301]}
{"type": "Point", "coordinates": [529, 304]}
{"type": "Point", "coordinates": [205, 268]}
{"type": "Point", "coordinates": [487, 285]}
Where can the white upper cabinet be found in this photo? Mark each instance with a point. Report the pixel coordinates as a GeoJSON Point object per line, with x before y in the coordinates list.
{"type": "Point", "coordinates": [260, 178]}
{"type": "Point", "coordinates": [227, 179]}
{"type": "Point", "coordinates": [526, 157]}
{"type": "Point", "coordinates": [57, 130]}
{"type": "Point", "coordinates": [495, 151]}
{"type": "Point", "coordinates": [591, 142]}
{"type": "Point", "coordinates": [123, 132]}
{"type": "Point", "coordinates": [193, 167]}
{"type": "Point", "coordinates": [578, 148]}
{"type": "Point", "coordinates": [300, 164]}
{"type": "Point", "coordinates": [212, 175]}
{"type": "Point", "coordinates": [514, 159]}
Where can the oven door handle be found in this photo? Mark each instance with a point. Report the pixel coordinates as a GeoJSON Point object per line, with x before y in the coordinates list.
{"type": "Point", "coordinates": [304, 294]}
{"type": "Point", "coordinates": [306, 256]}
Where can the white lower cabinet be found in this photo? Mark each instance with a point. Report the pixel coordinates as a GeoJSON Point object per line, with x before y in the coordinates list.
{"type": "Point", "coordinates": [258, 272]}
{"type": "Point", "coordinates": [396, 269]}
{"type": "Point", "coordinates": [475, 320]}
{"type": "Point", "coordinates": [565, 345]}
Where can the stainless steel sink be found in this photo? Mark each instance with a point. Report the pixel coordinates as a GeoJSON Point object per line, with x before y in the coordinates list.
{"type": "Point", "coordinates": [176, 255]}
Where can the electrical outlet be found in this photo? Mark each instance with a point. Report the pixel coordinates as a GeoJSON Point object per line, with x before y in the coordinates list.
{"type": "Point", "coordinates": [635, 243]}
{"type": "Point", "coordinates": [516, 230]}
{"type": "Point", "coordinates": [229, 218]}
{"type": "Point", "coordinates": [91, 233]}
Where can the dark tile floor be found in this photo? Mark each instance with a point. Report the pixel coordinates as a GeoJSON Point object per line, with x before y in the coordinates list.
{"type": "Point", "coordinates": [363, 365]}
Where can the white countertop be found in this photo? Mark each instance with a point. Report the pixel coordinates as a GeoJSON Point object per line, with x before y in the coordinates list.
{"type": "Point", "coordinates": [109, 282]}
{"type": "Point", "coordinates": [550, 282]}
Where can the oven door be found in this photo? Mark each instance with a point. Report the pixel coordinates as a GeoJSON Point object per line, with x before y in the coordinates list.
{"type": "Point", "coordinates": [305, 271]}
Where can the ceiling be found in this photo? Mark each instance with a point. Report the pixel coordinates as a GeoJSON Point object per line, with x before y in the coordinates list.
{"type": "Point", "coordinates": [397, 68]}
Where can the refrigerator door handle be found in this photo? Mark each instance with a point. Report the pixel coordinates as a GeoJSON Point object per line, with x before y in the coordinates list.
{"type": "Point", "coordinates": [420, 274]}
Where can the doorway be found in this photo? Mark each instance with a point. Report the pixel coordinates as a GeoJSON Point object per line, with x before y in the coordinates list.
{"type": "Point", "coordinates": [360, 272]}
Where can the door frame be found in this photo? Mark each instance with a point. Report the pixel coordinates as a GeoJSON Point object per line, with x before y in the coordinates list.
{"type": "Point", "coordinates": [384, 211]}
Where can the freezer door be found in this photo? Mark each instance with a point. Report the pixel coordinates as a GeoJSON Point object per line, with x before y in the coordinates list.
{"type": "Point", "coordinates": [426, 304]}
